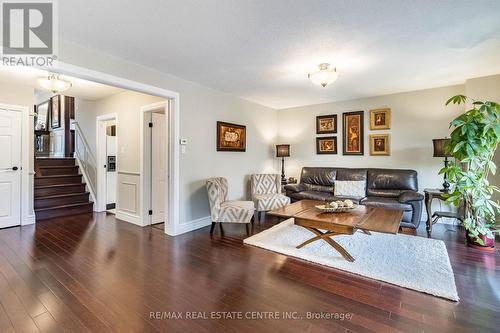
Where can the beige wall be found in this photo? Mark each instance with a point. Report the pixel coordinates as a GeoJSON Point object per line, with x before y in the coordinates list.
{"type": "Point", "coordinates": [487, 88]}
{"type": "Point", "coordinates": [200, 109]}
{"type": "Point", "coordinates": [127, 106]}
{"type": "Point", "coordinates": [417, 118]}
{"type": "Point", "coordinates": [17, 94]}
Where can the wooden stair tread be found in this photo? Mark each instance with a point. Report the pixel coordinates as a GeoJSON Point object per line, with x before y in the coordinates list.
{"type": "Point", "coordinates": [58, 185]}
{"type": "Point", "coordinates": [59, 176]}
{"type": "Point", "coordinates": [57, 166]}
{"type": "Point", "coordinates": [63, 195]}
{"type": "Point", "coordinates": [64, 206]}
{"type": "Point", "coordinates": [55, 158]}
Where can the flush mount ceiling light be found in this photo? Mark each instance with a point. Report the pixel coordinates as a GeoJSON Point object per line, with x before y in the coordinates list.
{"type": "Point", "coordinates": [53, 83]}
{"type": "Point", "coordinates": [324, 76]}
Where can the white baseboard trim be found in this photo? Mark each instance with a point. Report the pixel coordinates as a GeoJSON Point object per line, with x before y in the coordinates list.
{"type": "Point", "coordinates": [192, 225]}
{"type": "Point", "coordinates": [30, 219]}
{"type": "Point", "coordinates": [130, 218]}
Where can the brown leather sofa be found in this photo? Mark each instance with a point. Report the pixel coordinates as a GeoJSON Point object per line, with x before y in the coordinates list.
{"type": "Point", "coordinates": [388, 188]}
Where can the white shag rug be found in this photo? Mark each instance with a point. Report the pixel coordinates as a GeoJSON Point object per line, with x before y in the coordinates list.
{"type": "Point", "coordinates": [412, 262]}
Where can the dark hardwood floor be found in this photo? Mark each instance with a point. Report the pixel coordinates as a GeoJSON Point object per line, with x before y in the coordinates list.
{"type": "Point", "coordinates": [98, 274]}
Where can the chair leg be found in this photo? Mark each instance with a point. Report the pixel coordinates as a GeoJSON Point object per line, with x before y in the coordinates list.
{"type": "Point", "coordinates": [212, 228]}
{"type": "Point", "coordinates": [247, 225]}
{"type": "Point", "coordinates": [221, 230]}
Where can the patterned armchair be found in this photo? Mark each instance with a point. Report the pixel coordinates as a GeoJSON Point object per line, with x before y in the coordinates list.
{"type": "Point", "coordinates": [266, 192]}
{"type": "Point", "coordinates": [222, 210]}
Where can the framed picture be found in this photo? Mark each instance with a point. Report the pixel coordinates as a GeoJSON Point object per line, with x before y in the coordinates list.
{"type": "Point", "coordinates": [380, 119]}
{"type": "Point", "coordinates": [380, 145]}
{"type": "Point", "coordinates": [353, 133]}
{"type": "Point", "coordinates": [231, 137]}
{"type": "Point", "coordinates": [326, 124]}
{"type": "Point", "coordinates": [326, 145]}
{"type": "Point", "coordinates": [55, 112]}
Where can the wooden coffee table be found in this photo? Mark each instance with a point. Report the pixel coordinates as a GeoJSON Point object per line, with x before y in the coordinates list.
{"type": "Point", "coordinates": [362, 218]}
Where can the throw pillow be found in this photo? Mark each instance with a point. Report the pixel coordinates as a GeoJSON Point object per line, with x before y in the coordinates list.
{"type": "Point", "coordinates": [350, 188]}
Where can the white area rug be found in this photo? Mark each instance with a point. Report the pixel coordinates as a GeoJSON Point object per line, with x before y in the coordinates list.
{"type": "Point", "coordinates": [412, 262]}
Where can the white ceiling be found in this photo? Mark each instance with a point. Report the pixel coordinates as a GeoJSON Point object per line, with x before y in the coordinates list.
{"type": "Point", "coordinates": [262, 50]}
{"type": "Point", "coordinates": [80, 88]}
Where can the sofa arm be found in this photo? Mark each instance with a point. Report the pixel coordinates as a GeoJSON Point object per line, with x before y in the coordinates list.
{"type": "Point", "coordinates": [294, 188]}
{"type": "Point", "coordinates": [408, 196]}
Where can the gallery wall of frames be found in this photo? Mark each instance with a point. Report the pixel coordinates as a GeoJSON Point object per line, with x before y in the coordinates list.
{"type": "Point", "coordinates": [353, 133]}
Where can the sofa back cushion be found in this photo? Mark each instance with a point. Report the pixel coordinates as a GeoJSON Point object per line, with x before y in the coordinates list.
{"type": "Point", "coordinates": [391, 182]}
{"type": "Point", "coordinates": [351, 174]}
{"type": "Point", "coordinates": [318, 176]}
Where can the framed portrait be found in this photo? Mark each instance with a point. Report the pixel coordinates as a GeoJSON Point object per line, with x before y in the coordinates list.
{"type": "Point", "coordinates": [326, 145]}
{"type": "Point", "coordinates": [55, 112]}
{"type": "Point", "coordinates": [326, 124]}
{"type": "Point", "coordinates": [231, 137]}
{"type": "Point", "coordinates": [380, 119]}
{"type": "Point", "coordinates": [353, 133]}
{"type": "Point", "coordinates": [380, 145]}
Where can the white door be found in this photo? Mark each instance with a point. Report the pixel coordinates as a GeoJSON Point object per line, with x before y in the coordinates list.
{"type": "Point", "coordinates": [158, 167]}
{"type": "Point", "coordinates": [10, 168]}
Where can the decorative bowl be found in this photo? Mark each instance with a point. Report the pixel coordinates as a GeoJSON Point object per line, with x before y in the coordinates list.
{"type": "Point", "coordinates": [325, 209]}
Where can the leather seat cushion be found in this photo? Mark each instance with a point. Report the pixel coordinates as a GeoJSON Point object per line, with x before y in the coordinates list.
{"type": "Point", "coordinates": [390, 203]}
{"type": "Point", "coordinates": [356, 200]}
{"type": "Point", "coordinates": [313, 195]}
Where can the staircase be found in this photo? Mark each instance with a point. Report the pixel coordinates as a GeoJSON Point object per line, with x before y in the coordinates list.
{"type": "Point", "coordinates": [59, 190]}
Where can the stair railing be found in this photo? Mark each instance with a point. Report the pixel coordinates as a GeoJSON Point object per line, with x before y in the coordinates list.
{"type": "Point", "coordinates": [86, 160]}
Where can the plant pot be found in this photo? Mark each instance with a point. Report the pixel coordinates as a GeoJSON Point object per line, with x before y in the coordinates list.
{"type": "Point", "coordinates": [488, 243]}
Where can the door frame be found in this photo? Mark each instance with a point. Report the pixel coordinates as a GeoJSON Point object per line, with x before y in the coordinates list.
{"type": "Point", "coordinates": [27, 168]}
{"type": "Point", "coordinates": [100, 205]}
{"type": "Point", "coordinates": [145, 163]}
{"type": "Point", "coordinates": [173, 227]}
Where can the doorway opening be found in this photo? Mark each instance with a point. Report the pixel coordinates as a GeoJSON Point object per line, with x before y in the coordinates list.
{"type": "Point", "coordinates": [154, 163]}
{"type": "Point", "coordinates": [107, 153]}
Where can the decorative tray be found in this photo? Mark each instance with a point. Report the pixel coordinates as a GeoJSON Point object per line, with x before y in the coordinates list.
{"type": "Point", "coordinates": [325, 209]}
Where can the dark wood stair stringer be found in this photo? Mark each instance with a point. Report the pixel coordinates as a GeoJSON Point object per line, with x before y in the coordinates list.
{"type": "Point", "coordinates": [59, 189]}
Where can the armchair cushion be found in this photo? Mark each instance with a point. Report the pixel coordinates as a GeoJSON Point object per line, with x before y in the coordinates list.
{"type": "Point", "coordinates": [265, 202]}
{"type": "Point", "coordinates": [408, 196]}
{"type": "Point", "coordinates": [236, 211]}
{"type": "Point", "coordinates": [265, 183]}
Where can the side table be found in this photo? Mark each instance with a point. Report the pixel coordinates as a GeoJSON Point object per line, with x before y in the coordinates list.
{"type": "Point", "coordinates": [431, 194]}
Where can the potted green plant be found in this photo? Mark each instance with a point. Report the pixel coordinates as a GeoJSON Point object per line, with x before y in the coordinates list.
{"type": "Point", "coordinates": [473, 142]}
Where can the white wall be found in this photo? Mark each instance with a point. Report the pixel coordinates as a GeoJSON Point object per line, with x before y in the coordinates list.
{"type": "Point", "coordinates": [200, 109]}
